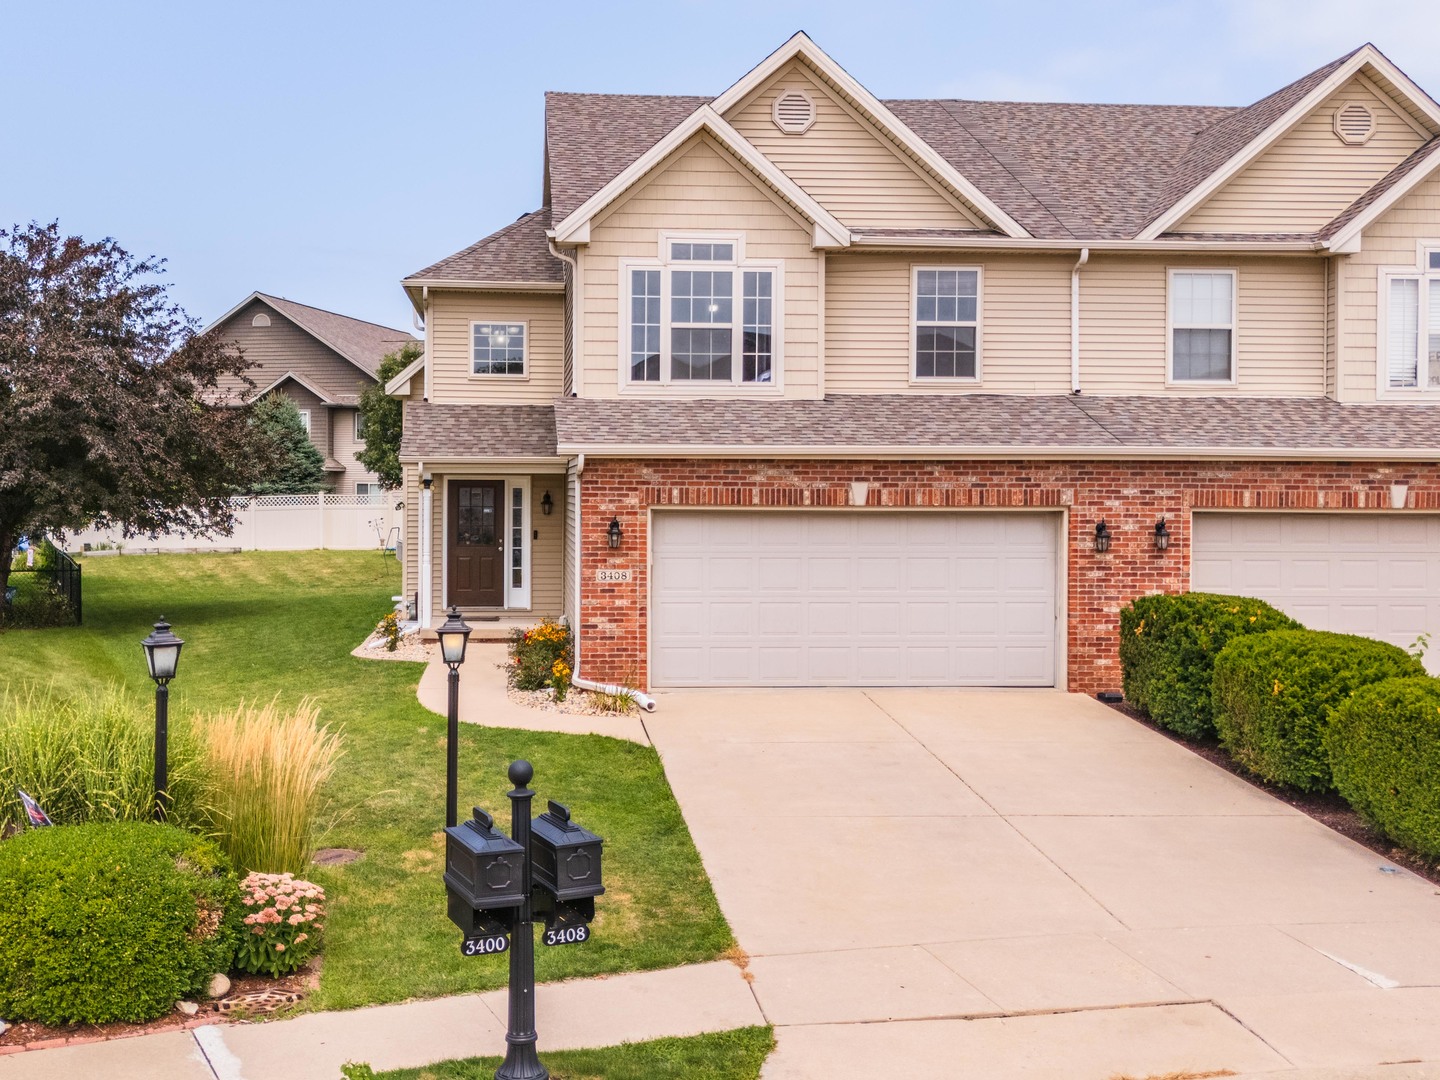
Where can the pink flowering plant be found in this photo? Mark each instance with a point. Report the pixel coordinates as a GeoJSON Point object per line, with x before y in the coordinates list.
{"type": "Point", "coordinates": [284, 917]}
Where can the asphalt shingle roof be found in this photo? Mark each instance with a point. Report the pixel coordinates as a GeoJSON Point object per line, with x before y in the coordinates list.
{"type": "Point", "coordinates": [517, 253]}
{"type": "Point", "coordinates": [465, 431]}
{"type": "Point", "coordinates": [363, 343]}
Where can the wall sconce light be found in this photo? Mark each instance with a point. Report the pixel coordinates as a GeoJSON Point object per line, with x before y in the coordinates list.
{"type": "Point", "coordinates": [546, 504]}
{"type": "Point", "coordinates": [1102, 537]}
{"type": "Point", "coordinates": [614, 533]}
{"type": "Point", "coordinates": [427, 480]}
{"type": "Point", "coordinates": [1162, 535]}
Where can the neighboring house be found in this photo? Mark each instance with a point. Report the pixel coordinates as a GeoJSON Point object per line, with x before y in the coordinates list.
{"type": "Point", "coordinates": [853, 384]}
{"type": "Point", "coordinates": [321, 361]}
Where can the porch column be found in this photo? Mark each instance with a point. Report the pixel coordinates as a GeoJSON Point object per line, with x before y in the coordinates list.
{"type": "Point", "coordinates": [427, 555]}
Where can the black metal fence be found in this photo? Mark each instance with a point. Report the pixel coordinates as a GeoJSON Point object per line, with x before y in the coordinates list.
{"type": "Point", "coordinates": [59, 573]}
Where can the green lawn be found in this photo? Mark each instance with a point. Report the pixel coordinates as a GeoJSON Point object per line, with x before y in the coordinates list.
{"type": "Point", "coordinates": [261, 624]}
{"type": "Point", "coordinates": [731, 1055]}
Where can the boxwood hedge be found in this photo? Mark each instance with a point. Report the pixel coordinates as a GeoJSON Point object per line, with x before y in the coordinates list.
{"type": "Point", "coordinates": [1274, 695]}
{"type": "Point", "coordinates": [1168, 646]}
{"type": "Point", "coordinates": [1384, 746]}
{"type": "Point", "coordinates": [113, 921]}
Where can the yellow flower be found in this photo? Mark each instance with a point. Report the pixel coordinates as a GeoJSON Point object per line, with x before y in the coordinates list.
{"type": "Point", "coordinates": [1276, 691]}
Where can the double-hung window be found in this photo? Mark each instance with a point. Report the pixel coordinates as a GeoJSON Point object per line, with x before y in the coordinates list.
{"type": "Point", "coordinates": [1412, 327]}
{"type": "Point", "coordinates": [1202, 326]}
{"type": "Point", "coordinates": [498, 348]}
{"type": "Point", "coordinates": [703, 315]}
{"type": "Point", "coordinates": [947, 322]}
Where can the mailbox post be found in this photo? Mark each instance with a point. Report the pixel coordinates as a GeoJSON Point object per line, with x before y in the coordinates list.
{"type": "Point", "coordinates": [496, 885]}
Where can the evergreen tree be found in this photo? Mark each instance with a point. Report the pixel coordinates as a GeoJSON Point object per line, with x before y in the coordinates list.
{"type": "Point", "coordinates": [299, 469]}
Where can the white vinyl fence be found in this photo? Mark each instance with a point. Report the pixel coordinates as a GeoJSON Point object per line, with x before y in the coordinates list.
{"type": "Point", "coordinates": [277, 523]}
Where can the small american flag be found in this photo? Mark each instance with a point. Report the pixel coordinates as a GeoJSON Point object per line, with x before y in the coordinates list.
{"type": "Point", "coordinates": [38, 817]}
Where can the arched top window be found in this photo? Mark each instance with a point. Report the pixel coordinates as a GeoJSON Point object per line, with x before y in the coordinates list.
{"type": "Point", "coordinates": [260, 320]}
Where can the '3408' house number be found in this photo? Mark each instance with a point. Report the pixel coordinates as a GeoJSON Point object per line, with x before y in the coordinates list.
{"type": "Point", "coordinates": [610, 575]}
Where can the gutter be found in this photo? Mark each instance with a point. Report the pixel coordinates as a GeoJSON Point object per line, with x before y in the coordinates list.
{"type": "Point", "coordinates": [1075, 320]}
{"type": "Point", "coordinates": [1104, 452]}
{"type": "Point", "coordinates": [1007, 243]}
{"type": "Point", "coordinates": [645, 701]}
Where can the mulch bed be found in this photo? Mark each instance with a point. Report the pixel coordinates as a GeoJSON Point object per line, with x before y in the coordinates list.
{"type": "Point", "coordinates": [27, 1035]}
{"type": "Point", "coordinates": [1328, 808]}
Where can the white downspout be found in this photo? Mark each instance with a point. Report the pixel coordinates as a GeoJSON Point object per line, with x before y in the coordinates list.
{"type": "Point", "coordinates": [427, 540]}
{"type": "Point", "coordinates": [645, 701]}
{"type": "Point", "coordinates": [1075, 320]}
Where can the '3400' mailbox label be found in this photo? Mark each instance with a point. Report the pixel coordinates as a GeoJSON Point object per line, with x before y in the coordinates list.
{"type": "Point", "coordinates": [484, 946]}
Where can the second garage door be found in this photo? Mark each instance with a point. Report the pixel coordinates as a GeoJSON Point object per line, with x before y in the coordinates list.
{"type": "Point", "coordinates": [1371, 574]}
{"type": "Point", "coordinates": [854, 599]}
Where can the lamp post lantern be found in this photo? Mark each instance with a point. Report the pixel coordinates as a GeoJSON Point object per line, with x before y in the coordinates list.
{"type": "Point", "coordinates": [162, 657]}
{"type": "Point", "coordinates": [454, 635]}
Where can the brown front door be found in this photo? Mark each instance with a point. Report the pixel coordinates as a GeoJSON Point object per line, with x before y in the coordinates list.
{"type": "Point", "coordinates": [477, 543]}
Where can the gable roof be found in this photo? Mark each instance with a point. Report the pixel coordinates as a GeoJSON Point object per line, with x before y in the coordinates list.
{"type": "Point", "coordinates": [1223, 149]}
{"type": "Point", "coordinates": [1392, 187]}
{"type": "Point", "coordinates": [324, 395]}
{"type": "Point", "coordinates": [362, 343]}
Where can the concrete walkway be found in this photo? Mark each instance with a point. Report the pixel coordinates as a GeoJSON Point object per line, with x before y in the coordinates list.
{"type": "Point", "coordinates": [1028, 885]}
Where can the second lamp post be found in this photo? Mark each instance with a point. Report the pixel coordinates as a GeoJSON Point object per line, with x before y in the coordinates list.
{"type": "Point", "coordinates": [162, 657]}
{"type": "Point", "coordinates": [454, 635]}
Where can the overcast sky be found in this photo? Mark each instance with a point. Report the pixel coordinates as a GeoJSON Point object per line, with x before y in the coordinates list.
{"type": "Point", "coordinates": [322, 151]}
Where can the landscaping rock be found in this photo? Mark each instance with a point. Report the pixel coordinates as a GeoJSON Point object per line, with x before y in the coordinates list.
{"type": "Point", "coordinates": [219, 986]}
{"type": "Point", "coordinates": [4, 1027]}
{"type": "Point", "coordinates": [189, 1008]}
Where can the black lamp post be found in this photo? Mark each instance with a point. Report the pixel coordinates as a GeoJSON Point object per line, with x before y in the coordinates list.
{"type": "Point", "coordinates": [162, 657]}
{"type": "Point", "coordinates": [521, 1060]}
{"type": "Point", "coordinates": [454, 635]}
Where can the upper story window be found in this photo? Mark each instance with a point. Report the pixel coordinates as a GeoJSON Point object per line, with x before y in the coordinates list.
{"type": "Point", "coordinates": [499, 348]}
{"type": "Point", "coordinates": [1202, 326]}
{"type": "Point", "coordinates": [702, 314]}
{"type": "Point", "coordinates": [946, 337]}
{"type": "Point", "coordinates": [1412, 327]}
{"type": "Point", "coordinates": [359, 424]}
{"type": "Point", "coordinates": [305, 420]}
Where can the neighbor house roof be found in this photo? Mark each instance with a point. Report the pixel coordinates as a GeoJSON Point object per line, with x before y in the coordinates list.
{"type": "Point", "coordinates": [362, 343]}
{"type": "Point", "coordinates": [449, 432]}
{"type": "Point", "coordinates": [996, 425]}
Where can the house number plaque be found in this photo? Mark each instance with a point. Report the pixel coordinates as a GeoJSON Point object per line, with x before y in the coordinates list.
{"type": "Point", "coordinates": [604, 576]}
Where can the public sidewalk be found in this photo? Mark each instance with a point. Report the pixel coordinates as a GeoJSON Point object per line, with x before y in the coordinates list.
{"type": "Point", "coordinates": [569, 1015]}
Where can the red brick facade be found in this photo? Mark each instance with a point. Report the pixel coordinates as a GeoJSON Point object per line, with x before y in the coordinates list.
{"type": "Point", "coordinates": [1129, 496]}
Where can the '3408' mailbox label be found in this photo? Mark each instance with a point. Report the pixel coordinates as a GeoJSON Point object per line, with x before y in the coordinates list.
{"type": "Point", "coordinates": [566, 935]}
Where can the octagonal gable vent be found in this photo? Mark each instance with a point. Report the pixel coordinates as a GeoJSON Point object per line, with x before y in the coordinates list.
{"type": "Point", "coordinates": [794, 112]}
{"type": "Point", "coordinates": [1354, 123]}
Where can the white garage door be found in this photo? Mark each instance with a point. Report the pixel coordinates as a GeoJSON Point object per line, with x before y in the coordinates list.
{"type": "Point", "coordinates": [1371, 574]}
{"type": "Point", "coordinates": [853, 599]}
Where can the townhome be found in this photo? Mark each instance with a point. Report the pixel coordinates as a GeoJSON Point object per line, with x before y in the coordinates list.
{"type": "Point", "coordinates": [795, 386]}
{"type": "Point", "coordinates": [320, 360]}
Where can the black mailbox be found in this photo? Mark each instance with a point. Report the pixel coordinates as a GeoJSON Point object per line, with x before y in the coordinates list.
{"type": "Point", "coordinates": [564, 856]}
{"type": "Point", "coordinates": [484, 870]}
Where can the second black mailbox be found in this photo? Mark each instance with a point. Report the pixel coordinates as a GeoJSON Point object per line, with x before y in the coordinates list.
{"type": "Point", "coordinates": [564, 856]}
{"type": "Point", "coordinates": [484, 871]}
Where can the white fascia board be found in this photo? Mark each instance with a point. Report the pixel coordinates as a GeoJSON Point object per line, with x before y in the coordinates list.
{"type": "Point", "coordinates": [403, 379]}
{"type": "Point", "coordinates": [1005, 243]}
{"type": "Point", "coordinates": [1347, 240]}
{"type": "Point", "coordinates": [1367, 56]}
{"type": "Point", "coordinates": [1106, 452]}
{"type": "Point", "coordinates": [324, 397]}
{"type": "Point", "coordinates": [575, 229]}
{"type": "Point", "coordinates": [236, 310]}
{"type": "Point", "coordinates": [490, 286]}
{"type": "Point", "coordinates": [800, 46]}
{"type": "Point", "coordinates": [499, 464]}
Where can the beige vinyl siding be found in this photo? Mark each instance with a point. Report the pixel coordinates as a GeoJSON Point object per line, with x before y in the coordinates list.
{"type": "Point", "coordinates": [1306, 178]}
{"type": "Point", "coordinates": [1280, 331]}
{"type": "Point", "coordinates": [701, 188]}
{"type": "Point", "coordinates": [271, 351]}
{"type": "Point", "coordinates": [346, 445]}
{"type": "Point", "coordinates": [850, 168]}
{"type": "Point", "coordinates": [1024, 324]}
{"type": "Point", "coordinates": [1389, 242]}
{"type": "Point", "coordinates": [449, 324]}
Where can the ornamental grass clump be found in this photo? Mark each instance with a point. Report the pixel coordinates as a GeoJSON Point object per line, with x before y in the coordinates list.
{"type": "Point", "coordinates": [92, 758]}
{"type": "Point", "coordinates": [269, 766]}
{"type": "Point", "coordinates": [283, 922]}
{"type": "Point", "coordinates": [542, 657]}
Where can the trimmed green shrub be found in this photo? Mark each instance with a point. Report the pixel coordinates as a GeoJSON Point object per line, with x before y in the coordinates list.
{"type": "Point", "coordinates": [1384, 746]}
{"type": "Point", "coordinates": [542, 657]}
{"type": "Point", "coordinates": [1274, 695]}
{"type": "Point", "coordinates": [1168, 646]}
{"type": "Point", "coordinates": [110, 922]}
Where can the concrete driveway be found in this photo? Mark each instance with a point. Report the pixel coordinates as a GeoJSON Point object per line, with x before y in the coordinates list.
{"type": "Point", "coordinates": [1028, 885]}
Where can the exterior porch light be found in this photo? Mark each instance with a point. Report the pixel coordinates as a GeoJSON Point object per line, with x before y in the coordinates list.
{"type": "Point", "coordinates": [454, 634]}
{"type": "Point", "coordinates": [162, 657]}
{"type": "Point", "coordinates": [1102, 537]}
{"type": "Point", "coordinates": [1162, 535]}
{"type": "Point", "coordinates": [614, 532]}
{"type": "Point", "coordinates": [546, 504]}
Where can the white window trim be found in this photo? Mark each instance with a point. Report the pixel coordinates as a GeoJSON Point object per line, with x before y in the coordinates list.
{"type": "Point", "coordinates": [1384, 274]}
{"type": "Point", "coordinates": [305, 420]}
{"type": "Point", "coordinates": [358, 424]}
{"type": "Point", "coordinates": [665, 387]}
{"type": "Point", "coordinates": [947, 380]}
{"type": "Point", "coordinates": [513, 598]}
{"type": "Point", "coordinates": [518, 596]}
{"type": "Point", "coordinates": [524, 351]}
{"type": "Point", "coordinates": [1234, 327]}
